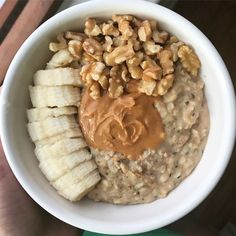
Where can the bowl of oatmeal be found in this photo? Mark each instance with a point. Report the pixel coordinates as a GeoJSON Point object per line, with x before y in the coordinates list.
{"type": "Point", "coordinates": [127, 110]}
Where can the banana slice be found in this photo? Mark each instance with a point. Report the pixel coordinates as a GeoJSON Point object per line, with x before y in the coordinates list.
{"type": "Point", "coordinates": [54, 96]}
{"type": "Point", "coordinates": [54, 168]}
{"type": "Point", "coordinates": [51, 126]}
{"type": "Point", "coordinates": [74, 176]}
{"type": "Point", "coordinates": [60, 148]}
{"type": "Point", "coordinates": [59, 76]}
{"type": "Point", "coordinates": [70, 133]}
{"type": "Point", "coordinates": [78, 190]}
{"type": "Point", "coordinates": [37, 114]}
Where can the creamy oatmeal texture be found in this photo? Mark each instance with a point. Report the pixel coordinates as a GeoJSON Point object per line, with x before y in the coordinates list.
{"type": "Point", "coordinates": [119, 112]}
{"type": "Point", "coordinates": [185, 117]}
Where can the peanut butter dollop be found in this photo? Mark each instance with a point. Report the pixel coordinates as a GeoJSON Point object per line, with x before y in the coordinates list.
{"type": "Point", "coordinates": [129, 124]}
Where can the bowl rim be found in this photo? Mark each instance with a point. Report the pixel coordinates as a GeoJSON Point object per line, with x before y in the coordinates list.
{"type": "Point", "coordinates": [152, 224]}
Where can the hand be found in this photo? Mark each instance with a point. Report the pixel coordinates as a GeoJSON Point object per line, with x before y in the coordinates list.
{"type": "Point", "coordinates": [20, 215]}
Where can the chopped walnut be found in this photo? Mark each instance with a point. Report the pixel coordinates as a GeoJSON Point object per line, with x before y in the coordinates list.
{"type": "Point", "coordinates": [137, 45]}
{"type": "Point", "coordinates": [118, 18]}
{"type": "Point", "coordinates": [153, 24]}
{"type": "Point", "coordinates": [95, 91]}
{"type": "Point", "coordinates": [75, 48]}
{"type": "Point", "coordinates": [92, 72]}
{"type": "Point", "coordinates": [60, 59]}
{"type": "Point", "coordinates": [109, 29]}
{"type": "Point", "coordinates": [145, 31]}
{"type": "Point", "coordinates": [119, 72]}
{"type": "Point", "coordinates": [75, 35]}
{"type": "Point", "coordinates": [107, 46]}
{"type": "Point", "coordinates": [103, 81]}
{"type": "Point", "coordinates": [124, 73]}
{"type": "Point", "coordinates": [54, 47]}
{"type": "Point", "coordinates": [86, 59]}
{"type": "Point", "coordinates": [165, 57]}
{"type": "Point", "coordinates": [160, 37]}
{"type": "Point", "coordinates": [164, 85]}
{"type": "Point", "coordinates": [119, 55]}
{"type": "Point", "coordinates": [136, 59]}
{"type": "Point", "coordinates": [93, 48]}
{"type": "Point", "coordinates": [189, 59]}
{"type": "Point", "coordinates": [136, 72]}
{"type": "Point", "coordinates": [125, 29]}
{"type": "Point", "coordinates": [174, 47]}
{"type": "Point", "coordinates": [151, 48]}
{"type": "Point", "coordinates": [148, 63]}
{"type": "Point", "coordinates": [119, 41]}
{"type": "Point", "coordinates": [147, 86]}
{"type": "Point", "coordinates": [152, 73]}
{"type": "Point", "coordinates": [115, 88]}
{"type": "Point", "coordinates": [96, 70]}
{"type": "Point", "coordinates": [91, 28]}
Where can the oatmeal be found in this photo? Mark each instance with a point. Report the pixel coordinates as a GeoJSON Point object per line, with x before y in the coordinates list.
{"type": "Point", "coordinates": [119, 112]}
{"type": "Point", "coordinates": [185, 117]}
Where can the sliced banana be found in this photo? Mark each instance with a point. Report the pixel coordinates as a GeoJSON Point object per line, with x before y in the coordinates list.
{"type": "Point", "coordinates": [70, 133]}
{"type": "Point", "coordinates": [60, 148]}
{"type": "Point", "coordinates": [78, 190]}
{"type": "Point", "coordinates": [54, 168]}
{"type": "Point", "coordinates": [75, 175]}
{"type": "Point", "coordinates": [51, 126]}
{"type": "Point", "coordinates": [54, 96]}
{"type": "Point", "coordinates": [58, 76]}
{"type": "Point", "coordinates": [37, 114]}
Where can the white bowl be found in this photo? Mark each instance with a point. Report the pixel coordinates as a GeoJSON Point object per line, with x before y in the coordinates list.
{"type": "Point", "coordinates": [102, 217]}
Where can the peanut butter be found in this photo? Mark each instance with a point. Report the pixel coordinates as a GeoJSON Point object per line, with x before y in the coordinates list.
{"type": "Point", "coordinates": [129, 124]}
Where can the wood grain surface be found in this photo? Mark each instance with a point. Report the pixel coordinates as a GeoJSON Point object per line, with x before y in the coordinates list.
{"type": "Point", "coordinates": [29, 19]}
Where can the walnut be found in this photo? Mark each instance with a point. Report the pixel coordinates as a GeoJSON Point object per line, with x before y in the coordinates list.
{"type": "Point", "coordinates": [86, 59]}
{"type": "Point", "coordinates": [96, 70]}
{"type": "Point", "coordinates": [91, 28]}
{"type": "Point", "coordinates": [54, 47]}
{"type": "Point", "coordinates": [151, 48]}
{"type": "Point", "coordinates": [172, 39]}
{"type": "Point", "coordinates": [119, 55]}
{"type": "Point", "coordinates": [125, 29]}
{"type": "Point", "coordinates": [115, 88]}
{"type": "Point", "coordinates": [145, 31]}
{"type": "Point", "coordinates": [119, 41]}
{"type": "Point", "coordinates": [164, 85]}
{"type": "Point", "coordinates": [124, 73]}
{"type": "Point", "coordinates": [92, 72]}
{"type": "Point", "coordinates": [165, 57]}
{"type": "Point", "coordinates": [174, 47]}
{"type": "Point", "coordinates": [60, 59]}
{"type": "Point", "coordinates": [93, 48]}
{"type": "Point", "coordinates": [135, 41]}
{"type": "Point", "coordinates": [75, 35]}
{"type": "Point", "coordinates": [160, 37]}
{"type": "Point", "coordinates": [107, 46]}
{"type": "Point", "coordinates": [153, 24]}
{"type": "Point", "coordinates": [103, 81]}
{"type": "Point", "coordinates": [119, 72]}
{"type": "Point", "coordinates": [75, 48]}
{"type": "Point", "coordinates": [136, 72]}
{"type": "Point", "coordinates": [109, 29]}
{"type": "Point", "coordinates": [189, 59]}
{"type": "Point", "coordinates": [136, 59]}
{"type": "Point", "coordinates": [148, 63]}
{"type": "Point", "coordinates": [152, 73]}
{"type": "Point", "coordinates": [118, 18]}
{"type": "Point", "coordinates": [147, 86]}
{"type": "Point", "coordinates": [94, 90]}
